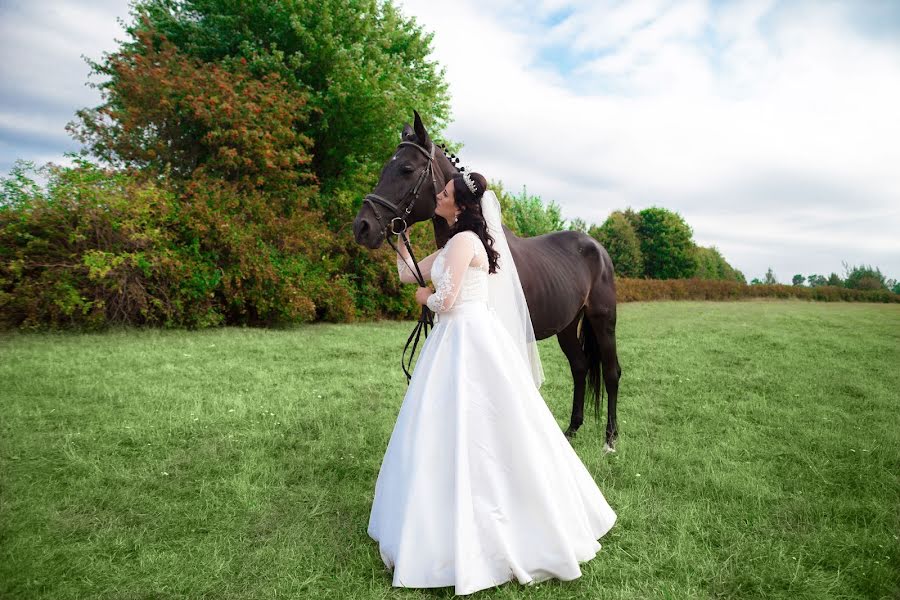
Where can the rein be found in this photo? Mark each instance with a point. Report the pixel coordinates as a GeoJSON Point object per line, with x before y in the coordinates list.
{"type": "Point", "coordinates": [426, 319]}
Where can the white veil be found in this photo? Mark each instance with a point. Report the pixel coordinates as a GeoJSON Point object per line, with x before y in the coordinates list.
{"type": "Point", "coordinates": [505, 295]}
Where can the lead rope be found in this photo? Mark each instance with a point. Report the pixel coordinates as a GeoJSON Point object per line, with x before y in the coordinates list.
{"type": "Point", "coordinates": [426, 319]}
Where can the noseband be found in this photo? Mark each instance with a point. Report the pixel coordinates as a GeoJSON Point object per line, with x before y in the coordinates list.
{"type": "Point", "coordinates": [426, 319]}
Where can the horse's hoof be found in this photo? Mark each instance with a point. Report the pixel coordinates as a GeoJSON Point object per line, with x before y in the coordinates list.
{"type": "Point", "coordinates": [607, 448]}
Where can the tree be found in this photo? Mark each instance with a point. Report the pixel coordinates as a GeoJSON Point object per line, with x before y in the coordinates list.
{"type": "Point", "coordinates": [816, 280]}
{"type": "Point", "coordinates": [578, 224]}
{"type": "Point", "coordinates": [770, 277]}
{"type": "Point", "coordinates": [756, 281]}
{"type": "Point", "coordinates": [360, 64]}
{"type": "Point", "coordinates": [712, 265]}
{"type": "Point", "coordinates": [864, 277]}
{"type": "Point", "coordinates": [666, 244]}
{"type": "Point", "coordinates": [621, 242]}
{"type": "Point", "coordinates": [798, 280]}
{"type": "Point", "coordinates": [835, 280]}
{"type": "Point", "coordinates": [173, 114]}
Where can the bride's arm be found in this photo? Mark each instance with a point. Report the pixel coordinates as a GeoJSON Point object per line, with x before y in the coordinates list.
{"type": "Point", "coordinates": [405, 268]}
{"type": "Point", "coordinates": [459, 255]}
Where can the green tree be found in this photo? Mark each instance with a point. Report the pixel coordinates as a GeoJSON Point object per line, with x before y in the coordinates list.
{"type": "Point", "coordinates": [621, 242]}
{"type": "Point", "coordinates": [835, 280]}
{"type": "Point", "coordinates": [712, 265]}
{"type": "Point", "coordinates": [361, 66]}
{"type": "Point", "coordinates": [666, 244]}
{"type": "Point", "coordinates": [173, 114]}
{"type": "Point", "coordinates": [798, 279]}
{"type": "Point", "coordinates": [531, 217]}
{"type": "Point", "coordinates": [578, 224]}
{"type": "Point", "coordinates": [864, 277]}
{"type": "Point", "coordinates": [756, 281]}
{"type": "Point", "coordinates": [816, 280]}
{"type": "Point", "coordinates": [770, 278]}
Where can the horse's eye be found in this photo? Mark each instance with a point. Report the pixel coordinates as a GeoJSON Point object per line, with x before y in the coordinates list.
{"type": "Point", "coordinates": [407, 169]}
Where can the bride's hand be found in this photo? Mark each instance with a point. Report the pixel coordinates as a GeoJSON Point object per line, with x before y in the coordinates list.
{"type": "Point", "coordinates": [422, 295]}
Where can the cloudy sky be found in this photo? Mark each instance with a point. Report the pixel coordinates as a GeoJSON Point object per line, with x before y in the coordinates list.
{"type": "Point", "coordinates": [772, 127]}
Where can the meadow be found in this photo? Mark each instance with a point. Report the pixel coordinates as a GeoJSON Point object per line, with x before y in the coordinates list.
{"type": "Point", "coordinates": [759, 457]}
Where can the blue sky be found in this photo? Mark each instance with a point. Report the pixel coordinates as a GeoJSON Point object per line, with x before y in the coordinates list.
{"type": "Point", "coordinates": [770, 126]}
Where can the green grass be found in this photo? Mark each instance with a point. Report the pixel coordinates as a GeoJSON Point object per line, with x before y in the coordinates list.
{"type": "Point", "coordinates": [759, 458]}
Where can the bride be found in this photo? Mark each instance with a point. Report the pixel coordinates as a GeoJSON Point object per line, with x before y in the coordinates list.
{"type": "Point", "coordinates": [478, 484]}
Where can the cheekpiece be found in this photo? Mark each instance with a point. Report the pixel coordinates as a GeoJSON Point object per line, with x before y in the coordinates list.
{"type": "Point", "coordinates": [470, 183]}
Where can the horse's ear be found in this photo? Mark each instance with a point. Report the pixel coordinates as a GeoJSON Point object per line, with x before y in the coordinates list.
{"type": "Point", "coordinates": [420, 129]}
{"type": "Point", "coordinates": [408, 133]}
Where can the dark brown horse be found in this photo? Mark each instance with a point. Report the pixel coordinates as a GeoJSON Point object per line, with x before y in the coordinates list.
{"type": "Point", "coordinates": [567, 276]}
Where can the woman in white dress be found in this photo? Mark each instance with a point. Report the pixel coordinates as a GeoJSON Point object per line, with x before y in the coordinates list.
{"type": "Point", "coordinates": [478, 484]}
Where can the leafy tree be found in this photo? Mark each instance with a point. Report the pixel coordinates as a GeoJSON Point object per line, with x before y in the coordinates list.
{"type": "Point", "coordinates": [360, 66]}
{"type": "Point", "coordinates": [578, 224]}
{"type": "Point", "coordinates": [712, 265]}
{"type": "Point", "coordinates": [666, 244]}
{"type": "Point", "coordinates": [532, 217]}
{"type": "Point", "coordinates": [169, 113]}
{"type": "Point", "coordinates": [864, 277]}
{"type": "Point", "coordinates": [798, 279]}
{"type": "Point", "coordinates": [756, 281]}
{"type": "Point", "coordinates": [619, 238]}
{"type": "Point", "coordinates": [770, 277]}
{"type": "Point", "coordinates": [506, 201]}
{"type": "Point", "coordinates": [633, 218]}
{"type": "Point", "coordinates": [525, 214]}
{"type": "Point", "coordinates": [835, 280]}
{"type": "Point", "coordinates": [896, 287]}
{"type": "Point", "coordinates": [816, 280]}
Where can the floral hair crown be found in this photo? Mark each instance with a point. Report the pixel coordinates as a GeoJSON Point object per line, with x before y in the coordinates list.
{"type": "Point", "coordinates": [470, 183]}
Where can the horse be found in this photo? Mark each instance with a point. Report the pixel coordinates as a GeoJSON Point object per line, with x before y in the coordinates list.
{"type": "Point", "coordinates": [567, 276]}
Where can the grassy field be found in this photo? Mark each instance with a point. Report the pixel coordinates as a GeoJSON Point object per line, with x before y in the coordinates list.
{"type": "Point", "coordinates": [759, 458]}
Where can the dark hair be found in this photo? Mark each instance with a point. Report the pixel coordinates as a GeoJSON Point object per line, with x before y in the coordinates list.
{"type": "Point", "coordinates": [471, 217]}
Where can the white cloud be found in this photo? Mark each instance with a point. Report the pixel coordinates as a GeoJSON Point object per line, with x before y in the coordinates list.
{"type": "Point", "coordinates": [692, 106]}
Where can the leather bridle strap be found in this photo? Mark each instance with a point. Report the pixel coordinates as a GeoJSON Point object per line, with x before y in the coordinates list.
{"type": "Point", "coordinates": [426, 319]}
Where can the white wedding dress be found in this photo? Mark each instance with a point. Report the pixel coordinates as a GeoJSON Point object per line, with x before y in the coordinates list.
{"type": "Point", "coordinates": [478, 484]}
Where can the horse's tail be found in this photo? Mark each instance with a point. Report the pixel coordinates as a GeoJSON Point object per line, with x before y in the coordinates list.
{"type": "Point", "coordinates": [588, 340]}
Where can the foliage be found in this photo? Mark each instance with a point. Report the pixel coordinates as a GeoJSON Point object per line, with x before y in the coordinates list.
{"type": "Point", "coordinates": [165, 112]}
{"type": "Point", "coordinates": [632, 290]}
{"type": "Point", "coordinates": [815, 280]}
{"type": "Point", "coordinates": [798, 279]}
{"type": "Point", "coordinates": [100, 247]}
{"type": "Point", "coordinates": [712, 265]}
{"type": "Point", "coordinates": [770, 278]}
{"type": "Point", "coordinates": [617, 235]}
{"type": "Point", "coordinates": [835, 280]}
{"type": "Point", "coordinates": [864, 277]}
{"type": "Point", "coordinates": [525, 214]}
{"type": "Point", "coordinates": [666, 244]}
{"type": "Point", "coordinates": [578, 224]}
{"type": "Point", "coordinates": [362, 65]}
{"type": "Point", "coordinates": [301, 101]}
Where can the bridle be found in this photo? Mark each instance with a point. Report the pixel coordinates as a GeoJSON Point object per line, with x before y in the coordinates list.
{"type": "Point", "coordinates": [426, 319]}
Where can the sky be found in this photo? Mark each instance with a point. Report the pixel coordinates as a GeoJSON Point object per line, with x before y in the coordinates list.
{"type": "Point", "coordinates": [771, 127]}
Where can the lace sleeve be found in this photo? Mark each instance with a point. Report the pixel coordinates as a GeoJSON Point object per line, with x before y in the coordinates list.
{"type": "Point", "coordinates": [459, 254]}
{"type": "Point", "coordinates": [405, 268]}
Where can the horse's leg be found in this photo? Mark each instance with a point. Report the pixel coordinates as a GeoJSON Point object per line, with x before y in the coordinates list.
{"type": "Point", "coordinates": [578, 363]}
{"type": "Point", "coordinates": [604, 327]}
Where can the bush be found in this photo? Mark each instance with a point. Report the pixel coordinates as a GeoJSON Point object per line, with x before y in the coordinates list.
{"type": "Point", "coordinates": [634, 290]}
{"type": "Point", "coordinates": [100, 247]}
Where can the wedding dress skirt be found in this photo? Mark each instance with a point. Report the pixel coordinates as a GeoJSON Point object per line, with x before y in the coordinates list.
{"type": "Point", "coordinates": [478, 485]}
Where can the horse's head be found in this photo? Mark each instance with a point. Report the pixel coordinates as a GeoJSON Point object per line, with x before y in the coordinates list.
{"type": "Point", "coordinates": [405, 193]}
